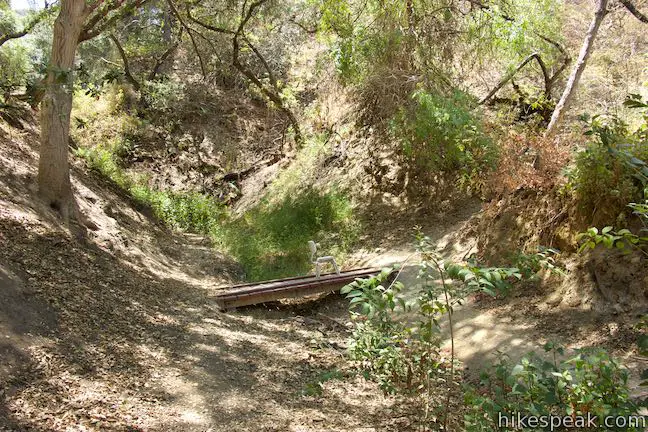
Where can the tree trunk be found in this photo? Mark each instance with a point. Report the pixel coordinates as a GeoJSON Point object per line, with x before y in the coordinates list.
{"type": "Point", "coordinates": [572, 83]}
{"type": "Point", "coordinates": [53, 169]}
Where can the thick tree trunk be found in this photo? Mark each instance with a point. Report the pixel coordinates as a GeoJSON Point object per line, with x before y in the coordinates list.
{"type": "Point", "coordinates": [53, 169]}
{"type": "Point", "coordinates": [574, 78]}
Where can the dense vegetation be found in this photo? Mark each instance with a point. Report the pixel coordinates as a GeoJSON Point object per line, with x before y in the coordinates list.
{"type": "Point", "coordinates": [182, 104]}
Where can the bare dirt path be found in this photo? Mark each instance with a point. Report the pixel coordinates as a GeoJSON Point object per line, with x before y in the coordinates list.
{"type": "Point", "coordinates": [487, 330]}
{"type": "Point", "coordinates": [117, 328]}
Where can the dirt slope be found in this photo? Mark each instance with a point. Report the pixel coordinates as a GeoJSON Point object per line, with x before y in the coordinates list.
{"type": "Point", "coordinates": [116, 328]}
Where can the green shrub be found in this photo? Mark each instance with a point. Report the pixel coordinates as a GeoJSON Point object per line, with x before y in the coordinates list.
{"type": "Point", "coordinates": [531, 265]}
{"type": "Point", "coordinates": [440, 135]}
{"type": "Point", "coordinates": [163, 96]}
{"type": "Point", "coordinates": [14, 65]}
{"type": "Point", "coordinates": [591, 382]}
{"type": "Point", "coordinates": [611, 172]}
{"type": "Point", "coordinates": [400, 357]}
{"type": "Point", "coordinates": [271, 240]}
{"type": "Point", "coordinates": [189, 211]}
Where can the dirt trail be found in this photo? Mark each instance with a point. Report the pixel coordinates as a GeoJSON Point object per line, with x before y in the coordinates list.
{"type": "Point", "coordinates": [487, 329]}
{"type": "Point", "coordinates": [480, 336]}
{"type": "Point", "coordinates": [117, 328]}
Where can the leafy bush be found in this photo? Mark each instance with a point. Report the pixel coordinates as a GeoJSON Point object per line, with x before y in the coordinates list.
{"type": "Point", "coordinates": [271, 240]}
{"type": "Point", "coordinates": [611, 172]}
{"type": "Point", "coordinates": [404, 355]}
{"type": "Point", "coordinates": [531, 264]}
{"type": "Point", "coordinates": [163, 96]}
{"type": "Point", "coordinates": [440, 135]}
{"type": "Point", "coordinates": [14, 65]}
{"type": "Point", "coordinates": [591, 382]}
{"type": "Point", "coordinates": [188, 211]}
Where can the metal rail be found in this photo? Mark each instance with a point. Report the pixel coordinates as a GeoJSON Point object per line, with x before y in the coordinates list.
{"type": "Point", "coordinates": [300, 286]}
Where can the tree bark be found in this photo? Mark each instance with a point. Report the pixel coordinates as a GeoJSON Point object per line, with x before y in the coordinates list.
{"type": "Point", "coordinates": [53, 168]}
{"type": "Point", "coordinates": [581, 63]}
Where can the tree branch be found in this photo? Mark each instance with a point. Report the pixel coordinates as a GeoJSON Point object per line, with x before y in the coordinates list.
{"type": "Point", "coordinates": [566, 59]}
{"type": "Point", "coordinates": [272, 95]}
{"type": "Point", "coordinates": [634, 11]}
{"type": "Point", "coordinates": [127, 73]}
{"type": "Point", "coordinates": [263, 61]}
{"type": "Point", "coordinates": [207, 26]}
{"type": "Point", "coordinates": [102, 18]}
{"type": "Point", "coordinates": [160, 61]}
{"type": "Point", "coordinates": [29, 27]}
{"type": "Point", "coordinates": [189, 31]}
{"type": "Point", "coordinates": [511, 74]}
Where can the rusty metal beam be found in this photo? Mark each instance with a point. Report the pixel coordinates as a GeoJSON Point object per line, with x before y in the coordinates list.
{"type": "Point", "coordinates": [294, 287]}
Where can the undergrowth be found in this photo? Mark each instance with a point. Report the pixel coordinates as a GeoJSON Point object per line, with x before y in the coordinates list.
{"type": "Point", "coordinates": [189, 211]}
{"type": "Point", "coordinates": [397, 343]}
{"type": "Point", "coordinates": [611, 172]}
{"type": "Point", "coordinates": [271, 240]}
{"type": "Point", "coordinates": [442, 136]}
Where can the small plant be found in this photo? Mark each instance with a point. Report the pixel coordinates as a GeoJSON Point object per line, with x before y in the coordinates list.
{"type": "Point", "coordinates": [316, 387]}
{"type": "Point", "coordinates": [531, 264]}
{"type": "Point", "coordinates": [379, 344]}
{"type": "Point", "coordinates": [589, 383]}
{"type": "Point", "coordinates": [404, 356]}
{"type": "Point", "coordinates": [621, 239]}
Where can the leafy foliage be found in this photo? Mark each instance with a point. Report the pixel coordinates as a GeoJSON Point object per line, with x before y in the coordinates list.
{"type": "Point", "coordinates": [590, 382]}
{"type": "Point", "coordinates": [14, 66]}
{"type": "Point", "coordinates": [190, 211]}
{"type": "Point", "coordinates": [531, 264]}
{"type": "Point", "coordinates": [404, 356]}
{"type": "Point", "coordinates": [611, 172]}
{"type": "Point", "coordinates": [271, 240]}
{"type": "Point", "coordinates": [441, 135]}
{"type": "Point", "coordinates": [609, 238]}
{"type": "Point", "coordinates": [316, 387]}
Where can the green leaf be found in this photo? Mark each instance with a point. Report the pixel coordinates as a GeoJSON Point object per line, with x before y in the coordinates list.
{"type": "Point", "coordinates": [346, 289]}
{"type": "Point", "coordinates": [642, 342]}
{"type": "Point", "coordinates": [489, 292]}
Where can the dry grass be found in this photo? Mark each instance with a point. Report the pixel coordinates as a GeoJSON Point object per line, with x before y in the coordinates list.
{"type": "Point", "coordinates": [527, 161]}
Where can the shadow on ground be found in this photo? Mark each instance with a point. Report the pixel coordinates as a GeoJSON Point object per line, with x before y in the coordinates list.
{"type": "Point", "coordinates": [126, 350]}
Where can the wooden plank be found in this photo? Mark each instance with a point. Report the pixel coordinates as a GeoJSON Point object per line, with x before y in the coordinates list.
{"type": "Point", "coordinates": [248, 284]}
{"type": "Point", "coordinates": [279, 283]}
{"type": "Point", "coordinates": [288, 288]}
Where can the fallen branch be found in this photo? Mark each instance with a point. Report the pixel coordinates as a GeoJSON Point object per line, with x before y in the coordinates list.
{"type": "Point", "coordinates": [634, 11]}
{"type": "Point", "coordinates": [508, 77]}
